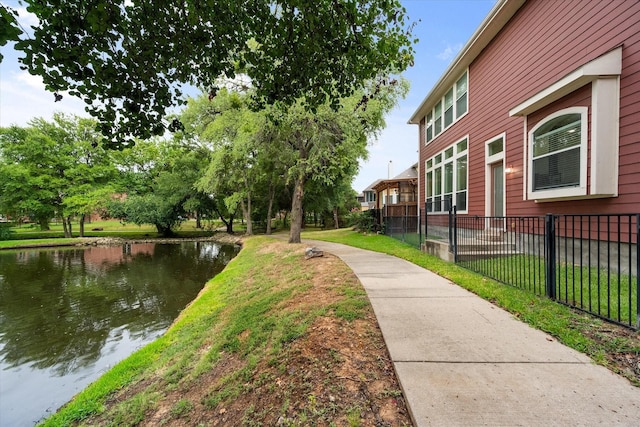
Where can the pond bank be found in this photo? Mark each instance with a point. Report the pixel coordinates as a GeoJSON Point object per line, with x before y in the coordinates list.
{"type": "Point", "coordinates": [117, 241]}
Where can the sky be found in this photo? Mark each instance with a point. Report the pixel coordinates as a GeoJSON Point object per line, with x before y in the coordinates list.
{"type": "Point", "coordinates": [442, 26]}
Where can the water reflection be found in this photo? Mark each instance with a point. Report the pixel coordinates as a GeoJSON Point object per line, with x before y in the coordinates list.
{"type": "Point", "coordinates": [67, 311]}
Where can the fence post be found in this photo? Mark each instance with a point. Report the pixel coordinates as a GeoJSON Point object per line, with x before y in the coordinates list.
{"type": "Point", "coordinates": [426, 221]}
{"type": "Point", "coordinates": [455, 234]}
{"type": "Point", "coordinates": [550, 256]}
{"type": "Point", "coordinates": [450, 228]}
{"type": "Point", "coordinates": [637, 271]}
{"type": "Point", "coordinates": [419, 226]}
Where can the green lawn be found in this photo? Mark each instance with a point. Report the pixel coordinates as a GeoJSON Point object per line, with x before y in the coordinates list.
{"type": "Point", "coordinates": [597, 290]}
{"type": "Point", "coordinates": [104, 229]}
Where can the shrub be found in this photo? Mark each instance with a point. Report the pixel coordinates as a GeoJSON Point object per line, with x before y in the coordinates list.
{"type": "Point", "coordinates": [5, 232]}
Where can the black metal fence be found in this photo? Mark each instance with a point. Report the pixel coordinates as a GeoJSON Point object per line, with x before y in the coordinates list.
{"type": "Point", "coordinates": [589, 262]}
{"type": "Point", "coordinates": [402, 222]}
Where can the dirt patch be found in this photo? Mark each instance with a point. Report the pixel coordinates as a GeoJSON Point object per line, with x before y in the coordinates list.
{"type": "Point", "coordinates": [619, 345]}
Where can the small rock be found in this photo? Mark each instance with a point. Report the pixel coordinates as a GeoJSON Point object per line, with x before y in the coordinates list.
{"type": "Point", "coordinates": [313, 252]}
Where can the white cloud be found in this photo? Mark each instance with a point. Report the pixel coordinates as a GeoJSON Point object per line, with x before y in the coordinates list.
{"type": "Point", "coordinates": [23, 98]}
{"type": "Point", "coordinates": [34, 82]}
{"type": "Point", "coordinates": [449, 52]}
{"type": "Point", "coordinates": [27, 18]}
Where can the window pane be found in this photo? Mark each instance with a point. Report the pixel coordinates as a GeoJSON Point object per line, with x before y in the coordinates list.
{"type": "Point", "coordinates": [448, 108]}
{"type": "Point", "coordinates": [447, 198]}
{"type": "Point", "coordinates": [448, 117]}
{"type": "Point", "coordinates": [461, 95]}
{"type": "Point", "coordinates": [448, 153]}
{"type": "Point", "coordinates": [461, 105]}
{"type": "Point", "coordinates": [429, 163]}
{"type": "Point", "coordinates": [438, 159]}
{"type": "Point", "coordinates": [429, 133]}
{"type": "Point", "coordinates": [448, 177]}
{"type": "Point", "coordinates": [448, 99]}
{"type": "Point", "coordinates": [461, 173]}
{"type": "Point", "coordinates": [437, 181]}
{"type": "Point", "coordinates": [429, 184]}
{"type": "Point", "coordinates": [558, 170]}
{"type": "Point", "coordinates": [557, 135]}
{"type": "Point", "coordinates": [437, 124]}
{"type": "Point", "coordinates": [461, 200]}
{"type": "Point", "coordinates": [495, 147]}
{"type": "Point", "coordinates": [462, 146]}
{"type": "Point", "coordinates": [461, 86]}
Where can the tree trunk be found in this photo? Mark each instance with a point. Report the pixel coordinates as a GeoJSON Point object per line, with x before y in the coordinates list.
{"type": "Point", "coordinates": [335, 218]}
{"type": "Point", "coordinates": [164, 231]}
{"type": "Point", "coordinates": [246, 213]}
{"type": "Point", "coordinates": [68, 231]}
{"type": "Point", "coordinates": [44, 224]}
{"type": "Point", "coordinates": [272, 193]}
{"type": "Point", "coordinates": [82, 218]}
{"type": "Point", "coordinates": [198, 220]}
{"type": "Point", "coordinates": [296, 211]}
{"type": "Point", "coordinates": [230, 225]}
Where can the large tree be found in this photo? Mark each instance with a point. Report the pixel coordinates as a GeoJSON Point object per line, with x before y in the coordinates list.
{"type": "Point", "coordinates": [157, 180]}
{"type": "Point", "coordinates": [55, 168]}
{"type": "Point", "coordinates": [240, 156]}
{"type": "Point", "coordinates": [327, 145]}
{"type": "Point", "coordinates": [128, 60]}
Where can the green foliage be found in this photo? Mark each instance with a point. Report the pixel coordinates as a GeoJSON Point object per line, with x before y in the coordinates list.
{"type": "Point", "coordinates": [148, 209]}
{"type": "Point", "coordinates": [5, 232]}
{"type": "Point", "coordinates": [362, 221]}
{"type": "Point", "coordinates": [182, 408]}
{"type": "Point", "coordinates": [159, 177]}
{"type": "Point", "coordinates": [129, 60]}
{"type": "Point", "coordinates": [52, 169]}
{"type": "Point", "coordinates": [9, 29]}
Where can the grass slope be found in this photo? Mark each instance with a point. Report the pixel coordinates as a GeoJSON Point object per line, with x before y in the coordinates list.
{"type": "Point", "coordinates": [273, 340]}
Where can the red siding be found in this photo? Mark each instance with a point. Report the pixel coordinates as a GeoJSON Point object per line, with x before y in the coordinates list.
{"type": "Point", "coordinates": [544, 41]}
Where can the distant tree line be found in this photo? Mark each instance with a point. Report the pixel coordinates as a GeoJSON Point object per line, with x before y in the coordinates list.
{"type": "Point", "coordinates": [226, 160]}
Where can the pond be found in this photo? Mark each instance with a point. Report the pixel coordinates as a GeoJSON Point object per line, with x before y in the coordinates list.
{"type": "Point", "coordinates": [68, 315]}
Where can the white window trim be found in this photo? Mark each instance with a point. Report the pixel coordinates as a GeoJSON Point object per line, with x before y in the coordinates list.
{"type": "Point", "coordinates": [490, 160]}
{"type": "Point", "coordinates": [563, 192]}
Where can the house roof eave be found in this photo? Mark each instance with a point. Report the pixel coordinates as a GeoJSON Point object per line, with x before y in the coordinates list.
{"type": "Point", "coordinates": [497, 18]}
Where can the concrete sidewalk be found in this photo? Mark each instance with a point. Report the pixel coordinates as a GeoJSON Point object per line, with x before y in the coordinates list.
{"type": "Point", "coordinates": [461, 361]}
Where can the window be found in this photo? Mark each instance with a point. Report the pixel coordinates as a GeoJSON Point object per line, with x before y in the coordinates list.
{"type": "Point", "coordinates": [557, 153]}
{"type": "Point", "coordinates": [370, 196]}
{"type": "Point", "coordinates": [437, 112]}
{"type": "Point", "coordinates": [461, 96]}
{"type": "Point", "coordinates": [448, 109]}
{"type": "Point", "coordinates": [446, 179]}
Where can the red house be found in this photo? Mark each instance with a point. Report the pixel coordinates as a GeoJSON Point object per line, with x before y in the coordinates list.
{"type": "Point", "coordinates": [539, 112]}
